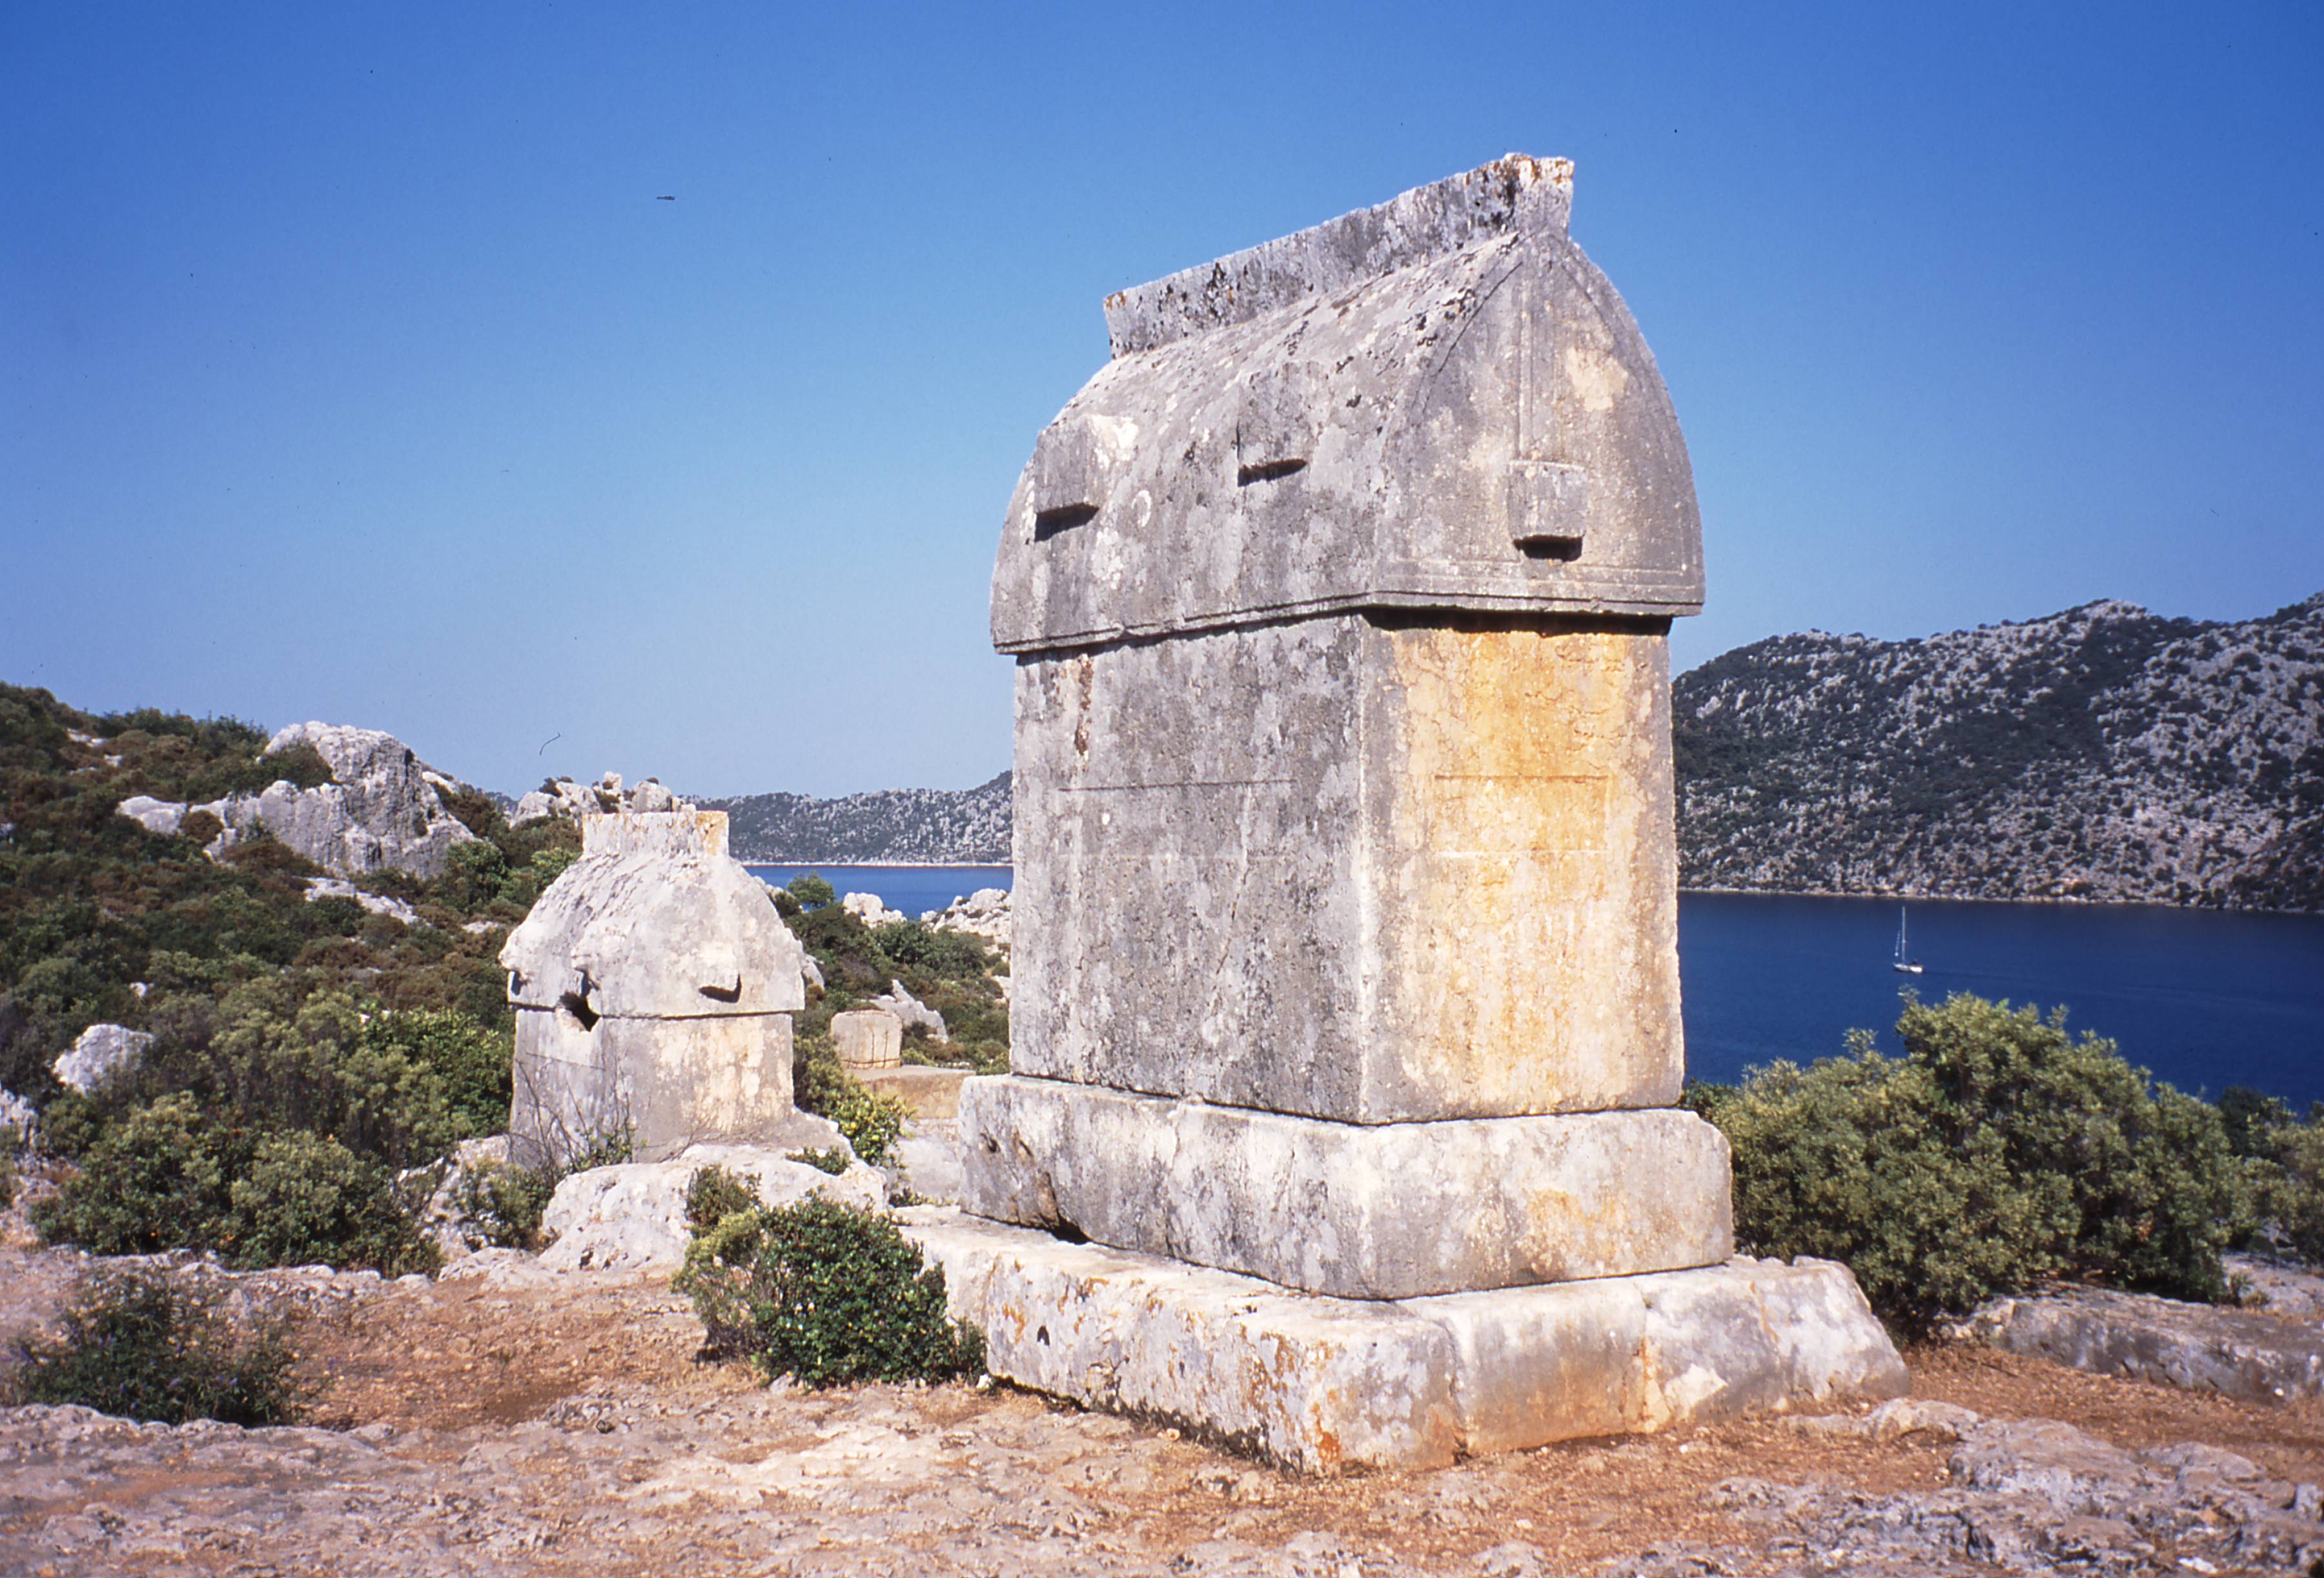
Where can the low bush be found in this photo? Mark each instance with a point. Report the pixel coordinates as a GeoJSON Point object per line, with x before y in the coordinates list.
{"type": "Point", "coordinates": [142, 1346]}
{"type": "Point", "coordinates": [171, 1176]}
{"type": "Point", "coordinates": [824, 1293]}
{"type": "Point", "coordinates": [1995, 1152]}
{"type": "Point", "coordinates": [506, 1203]}
{"type": "Point", "coordinates": [713, 1194]}
{"type": "Point", "coordinates": [820, 1083]}
{"type": "Point", "coordinates": [953, 954]}
{"type": "Point", "coordinates": [834, 1161]}
{"type": "Point", "coordinates": [2283, 1156]}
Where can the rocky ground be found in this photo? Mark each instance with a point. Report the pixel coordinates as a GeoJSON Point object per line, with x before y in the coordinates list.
{"type": "Point", "coordinates": [508, 1419]}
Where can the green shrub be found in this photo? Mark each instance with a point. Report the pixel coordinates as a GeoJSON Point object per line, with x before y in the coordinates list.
{"type": "Point", "coordinates": [142, 1346]}
{"type": "Point", "coordinates": [1995, 1152]}
{"type": "Point", "coordinates": [171, 1176]}
{"type": "Point", "coordinates": [915, 944]}
{"type": "Point", "coordinates": [811, 890]}
{"type": "Point", "coordinates": [827, 1293]}
{"type": "Point", "coordinates": [834, 1161]}
{"type": "Point", "coordinates": [506, 1202]}
{"type": "Point", "coordinates": [304, 1200]}
{"type": "Point", "coordinates": [7, 1177]}
{"type": "Point", "coordinates": [472, 1062]}
{"type": "Point", "coordinates": [713, 1194]}
{"type": "Point", "coordinates": [2283, 1156]}
{"type": "Point", "coordinates": [157, 1180]}
{"type": "Point", "coordinates": [820, 1083]}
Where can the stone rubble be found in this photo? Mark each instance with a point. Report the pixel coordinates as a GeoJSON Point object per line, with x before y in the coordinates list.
{"type": "Point", "coordinates": [898, 1001]}
{"type": "Point", "coordinates": [561, 797]}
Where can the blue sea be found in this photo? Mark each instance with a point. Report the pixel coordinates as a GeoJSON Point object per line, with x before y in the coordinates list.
{"type": "Point", "coordinates": [2204, 999]}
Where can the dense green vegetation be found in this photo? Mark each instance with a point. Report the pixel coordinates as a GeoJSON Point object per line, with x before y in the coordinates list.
{"type": "Point", "coordinates": [303, 1053]}
{"type": "Point", "coordinates": [1997, 1152]}
{"type": "Point", "coordinates": [144, 1346]}
{"type": "Point", "coordinates": [819, 1291]}
{"type": "Point", "coordinates": [949, 970]}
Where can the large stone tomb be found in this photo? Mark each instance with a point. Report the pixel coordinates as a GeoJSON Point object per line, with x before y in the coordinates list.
{"type": "Point", "coordinates": [653, 985]}
{"type": "Point", "coordinates": [1345, 1027]}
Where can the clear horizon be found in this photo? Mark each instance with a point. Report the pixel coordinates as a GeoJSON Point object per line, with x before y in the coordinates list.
{"type": "Point", "coordinates": [357, 369]}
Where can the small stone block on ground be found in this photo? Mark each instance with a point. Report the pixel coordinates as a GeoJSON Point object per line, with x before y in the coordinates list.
{"type": "Point", "coordinates": [868, 1038]}
{"type": "Point", "coordinates": [1324, 1385]}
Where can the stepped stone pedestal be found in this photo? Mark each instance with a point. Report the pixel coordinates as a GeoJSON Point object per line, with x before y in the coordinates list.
{"type": "Point", "coordinates": [1346, 1026]}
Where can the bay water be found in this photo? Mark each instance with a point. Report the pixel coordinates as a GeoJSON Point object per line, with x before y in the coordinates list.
{"type": "Point", "coordinates": [2204, 999]}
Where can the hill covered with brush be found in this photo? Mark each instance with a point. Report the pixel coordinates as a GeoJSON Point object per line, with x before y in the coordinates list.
{"type": "Point", "coordinates": [2102, 753]}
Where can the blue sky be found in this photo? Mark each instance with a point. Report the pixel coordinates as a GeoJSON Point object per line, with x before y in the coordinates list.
{"type": "Point", "coordinates": [350, 367]}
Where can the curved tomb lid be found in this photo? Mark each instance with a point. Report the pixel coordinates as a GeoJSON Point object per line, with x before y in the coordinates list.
{"type": "Point", "coordinates": [1437, 403]}
{"type": "Point", "coordinates": [655, 920]}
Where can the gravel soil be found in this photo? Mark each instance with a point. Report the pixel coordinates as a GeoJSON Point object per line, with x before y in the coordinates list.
{"type": "Point", "coordinates": [510, 1420]}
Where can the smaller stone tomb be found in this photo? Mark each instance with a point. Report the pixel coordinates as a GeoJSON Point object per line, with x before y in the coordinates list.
{"type": "Point", "coordinates": [868, 1038]}
{"type": "Point", "coordinates": [653, 985]}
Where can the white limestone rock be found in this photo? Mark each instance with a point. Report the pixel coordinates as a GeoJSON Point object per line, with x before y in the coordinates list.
{"type": "Point", "coordinates": [372, 903]}
{"type": "Point", "coordinates": [987, 913]}
{"type": "Point", "coordinates": [381, 812]}
{"type": "Point", "coordinates": [898, 1001]}
{"type": "Point", "coordinates": [632, 1217]}
{"type": "Point", "coordinates": [871, 910]}
{"type": "Point", "coordinates": [161, 817]}
{"type": "Point", "coordinates": [101, 1054]}
{"type": "Point", "coordinates": [18, 1121]}
{"type": "Point", "coordinates": [561, 797]}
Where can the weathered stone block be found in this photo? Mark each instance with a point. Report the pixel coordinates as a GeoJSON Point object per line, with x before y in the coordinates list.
{"type": "Point", "coordinates": [1357, 1210]}
{"type": "Point", "coordinates": [1316, 1384]}
{"type": "Point", "coordinates": [1353, 868]}
{"type": "Point", "coordinates": [868, 1038]}
{"type": "Point", "coordinates": [1324, 1385]}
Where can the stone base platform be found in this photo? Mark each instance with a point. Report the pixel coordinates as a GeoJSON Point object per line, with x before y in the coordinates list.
{"type": "Point", "coordinates": [1325, 1385]}
{"type": "Point", "coordinates": [1360, 1211]}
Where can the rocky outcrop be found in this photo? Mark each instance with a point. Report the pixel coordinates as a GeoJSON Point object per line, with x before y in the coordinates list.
{"type": "Point", "coordinates": [381, 811]}
{"type": "Point", "coordinates": [898, 1001]}
{"type": "Point", "coordinates": [2200, 1347]}
{"type": "Point", "coordinates": [987, 913]}
{"type": "Point", "coordinates": [101, 1053]}
{"type": "Point", "coordinates": [871, 910]}
{"type": "Point", "coordinates": [19, 1121]}
{"type": "Point", "coordinates": [632, 1217]}
{"type": "Point", "coordinates": [2103, 754]}
{"type": "Point", "coordinates": [561, 797]}
{"type": "Point", "coordinates": [320, 888]}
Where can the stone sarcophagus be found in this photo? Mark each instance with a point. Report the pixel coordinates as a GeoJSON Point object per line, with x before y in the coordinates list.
{"type": "Point", "coordinates": [653, 984]}
{"type": "Point", "coordinates": [1346, 958]}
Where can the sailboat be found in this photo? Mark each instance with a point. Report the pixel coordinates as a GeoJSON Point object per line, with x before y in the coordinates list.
{"type": "Point", "coordinates": [1905, 963]}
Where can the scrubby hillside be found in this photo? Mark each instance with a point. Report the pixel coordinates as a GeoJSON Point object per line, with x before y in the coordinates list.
{"type": "Point", "coordinates": [2100, 753]}
{"type": "Point", "coordinates": [937, 826]}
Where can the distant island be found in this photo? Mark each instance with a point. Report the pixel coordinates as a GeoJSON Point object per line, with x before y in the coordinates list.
{"type": "Point", "coordinates": [919, 826]}
{"type": "Point", "coordinates": [2104, 753]}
